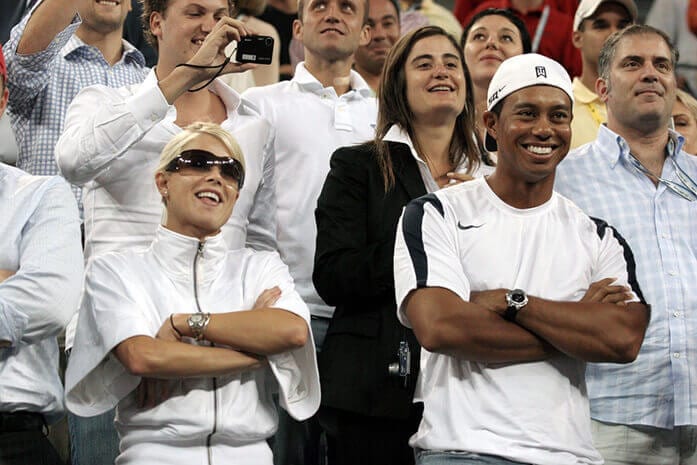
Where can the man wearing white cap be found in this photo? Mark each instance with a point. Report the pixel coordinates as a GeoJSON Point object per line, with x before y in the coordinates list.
{"type": "Point", "coordinates": [594, 21]}
{"type": "Point", "coordinates": [496, 277]}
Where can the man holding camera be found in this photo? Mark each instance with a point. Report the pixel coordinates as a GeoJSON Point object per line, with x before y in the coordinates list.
{"type": "Point", "coordinates": [113, 137]}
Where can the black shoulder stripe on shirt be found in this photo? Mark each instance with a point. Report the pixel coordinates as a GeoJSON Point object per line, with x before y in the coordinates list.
{"type": "Point", "coordinates": [601, 226]}
{"type": "Point", "coordinates": [412, 231]}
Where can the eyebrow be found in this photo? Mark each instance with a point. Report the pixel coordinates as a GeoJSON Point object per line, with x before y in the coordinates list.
{"type": "Point", "coordinates": [203, 7]}
{"type": "Point", "coordinates": [427, 56]}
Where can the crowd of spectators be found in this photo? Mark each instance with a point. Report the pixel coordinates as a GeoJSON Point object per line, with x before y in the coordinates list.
{"type": "Point", "coordinates": [418, 236]}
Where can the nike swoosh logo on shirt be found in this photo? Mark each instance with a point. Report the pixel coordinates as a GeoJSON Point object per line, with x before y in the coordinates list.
{"type": "Point", "coordinates": [469, 226]}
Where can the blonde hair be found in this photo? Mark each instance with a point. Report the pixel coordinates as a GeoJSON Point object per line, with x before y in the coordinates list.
{"type": "Point", "coordinates": [174, 147]}
{"type": "Point", "coordinates": [687, 100]}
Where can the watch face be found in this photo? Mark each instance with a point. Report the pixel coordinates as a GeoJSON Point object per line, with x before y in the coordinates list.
{"type": "Point", "coordinates": [196, 318]}
{"type": "Point", "coordinates": [518, 297]}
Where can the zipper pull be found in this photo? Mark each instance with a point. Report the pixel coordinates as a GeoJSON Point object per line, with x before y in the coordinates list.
{"type": "Point", "coordinates": [200, 249]}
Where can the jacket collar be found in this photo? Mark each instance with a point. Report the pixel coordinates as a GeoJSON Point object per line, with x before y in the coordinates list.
{"type": "Point", "coordinates": [176, 254]}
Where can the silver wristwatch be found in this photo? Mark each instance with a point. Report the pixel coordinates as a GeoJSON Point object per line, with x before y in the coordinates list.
{"type": "Point", "coordinates": [198, 323]}
{"type": "Point", "coordinates": [516, 300]}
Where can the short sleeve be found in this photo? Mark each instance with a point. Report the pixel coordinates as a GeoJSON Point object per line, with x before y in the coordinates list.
{"type": "Point", "coordinates": [426, 252]}
{"type": "Point", "coordinates": [95, 380]}
{"type": "Point", "coordinates": [295, 370]}
{"type": "Point", "coordinates": [615, 259]}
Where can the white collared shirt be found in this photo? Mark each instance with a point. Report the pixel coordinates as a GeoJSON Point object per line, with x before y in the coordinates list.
{"type": "Point", "coordinates": [111, 145]}
{"type": "Point", "coordinates": [309, 122]}
{"type": "Point", "coordinates": [40, 241]}
{"type": "Point", "coordinates": [397, 134]}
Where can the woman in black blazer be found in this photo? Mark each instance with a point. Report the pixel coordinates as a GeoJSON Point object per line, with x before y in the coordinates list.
{"type": "Point", "coordinates": [424, 141]}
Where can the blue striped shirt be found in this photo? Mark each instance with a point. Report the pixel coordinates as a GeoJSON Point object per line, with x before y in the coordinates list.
{"type": "Point", "coordinates": [43, 84]}
{"type": "Point", "coordinates": [660, 388]}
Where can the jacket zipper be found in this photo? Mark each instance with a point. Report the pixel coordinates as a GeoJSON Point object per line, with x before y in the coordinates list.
{"type": "Point", "coordinates": [199, 253]}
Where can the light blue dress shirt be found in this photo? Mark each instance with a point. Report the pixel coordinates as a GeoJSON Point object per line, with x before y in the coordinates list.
{"type": "Point", "coordinates": [660, 388]}
{"type": "Point", "coordinates": [43, 84]}
{"type": "Point", "coordinates": [40, 243]}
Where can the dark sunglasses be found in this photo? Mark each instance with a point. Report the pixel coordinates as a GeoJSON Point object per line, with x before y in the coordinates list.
{"type": "Point", "coordinates": [202, 161]}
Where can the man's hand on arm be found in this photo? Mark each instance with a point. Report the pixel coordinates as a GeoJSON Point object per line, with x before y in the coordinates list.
{"type": "Point", "coordinates": [474, 330]}
{"type": "Point", "coordinates": [602, 327]}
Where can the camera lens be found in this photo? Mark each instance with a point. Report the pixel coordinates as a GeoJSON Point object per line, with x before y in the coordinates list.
{"type": "Point", "coordinates": [268, 41]}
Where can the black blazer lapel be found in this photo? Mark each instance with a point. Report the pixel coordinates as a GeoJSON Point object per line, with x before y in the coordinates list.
{"type": "Point", "coordinates": [406, 170]}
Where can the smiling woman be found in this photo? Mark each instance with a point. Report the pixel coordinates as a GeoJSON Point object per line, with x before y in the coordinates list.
{"type": "Point", "coordinates": [195, 385]}
{"type": "Point", "coordinates": [424, 141]}
{"type": "Point", "coordinates": [199, 177]}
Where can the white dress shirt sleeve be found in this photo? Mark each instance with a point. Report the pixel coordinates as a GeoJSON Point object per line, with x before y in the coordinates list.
{"type": "Point", "coordinates": [41, 297]}
{"type": "Point", "coordinates": [103, 123]}
{"type": "Point", "coordinates": [261, 231]}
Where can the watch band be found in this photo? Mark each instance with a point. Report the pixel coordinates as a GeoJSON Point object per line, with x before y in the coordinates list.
{"type": "Point", "coordinates": [511, 313]}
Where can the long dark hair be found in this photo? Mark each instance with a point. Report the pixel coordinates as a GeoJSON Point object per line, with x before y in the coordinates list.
{"type": "Point", "coordinates": [510, 16]}
{"type": "Point", "coordinates": [394, 108]}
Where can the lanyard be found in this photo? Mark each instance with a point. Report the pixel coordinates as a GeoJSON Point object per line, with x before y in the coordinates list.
{"type": "Point", "coordinates": [595, 114]}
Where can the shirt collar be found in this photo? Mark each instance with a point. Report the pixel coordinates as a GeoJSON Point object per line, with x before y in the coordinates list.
{"type": "Point", "coordinates": [397, 134]}
{"type": "Point", "coordinates": [607, 138]}
{"type": "Point", "coordinates": [582, 93]}
{"type": "Point", "coordinates": [176, 253]}
{"type": "Point", "coordinates": [307, 81]}
{"type": "Point", "coordinates": [75, 45]}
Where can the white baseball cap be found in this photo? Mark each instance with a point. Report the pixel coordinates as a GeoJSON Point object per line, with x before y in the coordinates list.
{"type": "Point", "coordinates": [587, 8]}
{"type": "Point", "coordinates": [520, 71]}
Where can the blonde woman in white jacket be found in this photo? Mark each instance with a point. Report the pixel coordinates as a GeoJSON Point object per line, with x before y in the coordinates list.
{"type": "Point", "coordinates": [187, 338]}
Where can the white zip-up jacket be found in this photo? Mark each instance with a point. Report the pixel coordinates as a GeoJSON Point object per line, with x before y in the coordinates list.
{"type": "Point", "coordinates": [205, 420]}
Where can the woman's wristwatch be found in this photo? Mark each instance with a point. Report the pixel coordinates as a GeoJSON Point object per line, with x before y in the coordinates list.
{"type": "Point", "coordinates": [198, 323]}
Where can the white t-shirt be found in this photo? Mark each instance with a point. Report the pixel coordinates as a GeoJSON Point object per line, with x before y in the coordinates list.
{"type": "Point", "coordinates": [309, 123]}
{"type": "Point", "coordinates": [465, 239]}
